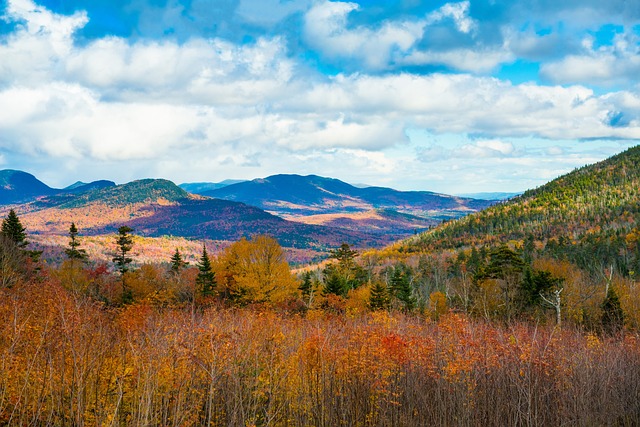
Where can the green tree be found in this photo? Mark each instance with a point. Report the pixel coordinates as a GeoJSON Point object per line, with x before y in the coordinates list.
{"type": "Point", "coordinates": [401, 289]}
{"type": "Point", "coordinates": [333, 282]}
{"type": "Point", "coordinates": [351, 275]}
{"type": "Point", "coordinates": [307, 287]}
{"type": "Point", "coordinates": [507, 268]}
{"type": "Point", "coordinates": [124, 241]}
{"type": "Point", "coordinates": [13, 230]}
{"type": "Point", "coordinates": [612, 314]}
{"type": "Point", "coordinates": [379, 296]}
{"type": "Point", "coordinates": [177, 262]}
{"type": "Point", "coordinates": [73, 253]}
{"type": "Point", "coordinates": [206, 279]}
{"type": "Point", "coordinates": [345, 255]}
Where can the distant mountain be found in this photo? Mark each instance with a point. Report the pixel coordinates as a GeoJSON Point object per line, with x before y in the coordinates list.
{"type": "Point", "coordinates": [157, 207]}
{"type": "Point", "coordinates": [81, 187]}
{"type": "Point", "coordinates": [200, 187]}
{"type": "Point", "coordinates": [590, 216]}
{"type": "Point", "coordinates": [17, 186]}
{"type": "Point", "coordinates": [490, 195]}
{"type": "Point", "coordinates": [310, 195]}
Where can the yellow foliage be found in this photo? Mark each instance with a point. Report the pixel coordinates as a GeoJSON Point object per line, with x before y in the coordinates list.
{"type": "Point", "coordinates": [255, 271]}
{"type": "Point", "coordinates": [357, 301]}
{"type": "Point", "coordinates": [437, 304]}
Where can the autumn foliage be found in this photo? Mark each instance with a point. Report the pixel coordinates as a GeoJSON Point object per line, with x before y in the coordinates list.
{"type": "Point", "coordinates": [68, 360]}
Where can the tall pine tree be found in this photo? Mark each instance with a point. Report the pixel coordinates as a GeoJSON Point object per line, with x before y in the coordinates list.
{"type": "Point", "coordinates": [177, 263]}
{"type": "Point", "coordinates": [73, 253]}
{"type": "Point", "coordinates": [612, 314]}
{"type": "Point", "coordinates": [379, 296]}
{"type": "Point", "coordinates": [13, 230]}
{"type": "Point", "coordinates": [206, 279]}
{"type": "Point", "coordinates": [124, 241]}
{"type": "Point", "coordinates": [401, 288]}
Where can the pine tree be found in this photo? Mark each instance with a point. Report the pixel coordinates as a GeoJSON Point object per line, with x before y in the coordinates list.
{"type": "Point", "coordinates": [379, 296]}
{"type": "Point", "coordinates": [177, 263]}
{"type": "Point", "coordinates": [401, 288]}
{"type": "Point", "coordinates": [206, 279]}
{"type": "Point", "coordinates": [13, 230]}
{"type": "Point", "coordinates": [124, 241]}
{"type": "Point", "coordinates": [333, 283]}
{"type": "Point", "coordinates": [612, 314]}
{"type": "Point", "coordinates": [73, 253]}
{"type": "Point", "coordinates": [306, 286]}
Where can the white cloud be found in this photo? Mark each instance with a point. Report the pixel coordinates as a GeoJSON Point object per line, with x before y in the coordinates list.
{"type": "Point", "coordinates": [211, 105]}
{"type": "Point", "coordinates": [326, 30]}
{"type": "Point", "coordinates": [612, 64]}
{"type": "Point", "coordinates": [393, 42]}
{"type": "Point", "coordinates": [458, 12]}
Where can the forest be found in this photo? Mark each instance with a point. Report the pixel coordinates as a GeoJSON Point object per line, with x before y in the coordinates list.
{"type": "Point", "coordinates": [502, 335]}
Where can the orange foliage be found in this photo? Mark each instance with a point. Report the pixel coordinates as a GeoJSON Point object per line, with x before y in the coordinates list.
{"type": "Point", "coordinates": [69, 361]}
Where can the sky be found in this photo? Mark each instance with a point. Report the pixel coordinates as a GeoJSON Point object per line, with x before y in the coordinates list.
{"type": "Point", "coordinates": [454, 97]}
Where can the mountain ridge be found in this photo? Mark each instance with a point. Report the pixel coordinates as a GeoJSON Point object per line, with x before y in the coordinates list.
{"type": "Point", "coordinates": [297, 194]}
{"type": "Point", "coordinates": [591, 213]}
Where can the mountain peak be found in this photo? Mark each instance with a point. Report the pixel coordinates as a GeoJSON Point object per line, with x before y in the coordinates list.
{"type": "Point", "coordinates": [140, 191]}
{"type": "Point", "coordinates": [17, 186]}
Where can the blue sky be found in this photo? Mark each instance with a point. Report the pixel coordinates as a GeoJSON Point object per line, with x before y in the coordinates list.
{"type": "Point", "coordinates": [456, 97]}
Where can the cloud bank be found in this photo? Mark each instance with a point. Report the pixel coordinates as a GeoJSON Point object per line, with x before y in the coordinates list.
{"type": "Point", "coordinates": [211, 107]}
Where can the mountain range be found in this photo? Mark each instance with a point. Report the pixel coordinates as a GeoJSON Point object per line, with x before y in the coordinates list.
{"type": "Point", "coordinates": [297, 195]}
{"type": "Point", "coordinates": [310, 212]}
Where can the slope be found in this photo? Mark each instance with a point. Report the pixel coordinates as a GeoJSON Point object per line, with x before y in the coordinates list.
{"type": "Point", "coordinates": [157, 207]}
{"type": "Point", "coordinates": [17, 186]}
{"type": "Point", "coordinates": [311, 195]}
{"type": "Point", "coordinates": [590, 216]}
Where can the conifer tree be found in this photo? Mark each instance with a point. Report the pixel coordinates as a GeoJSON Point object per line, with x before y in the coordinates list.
{"type": "Point", "coordinates": [333, 283]}
{"type": "Point", "coordinates": [612, 314]}
{"type": "Point", "coordinates": [401, 288]}
{"type": "Point", "coordinates": [379, 296]}
{"type": "Point", "coordinates": [206, 279]}
{"type": "Point", "coordinates": [306, 287]}
{"type": "Point", "coordinates": [124, 241]}
{"type": "Point", "coordinates": [73, 253]}
{"type": "Point", "coordinates": [177, 263]}
{"type": "Point", "coordinates": [13, 230]}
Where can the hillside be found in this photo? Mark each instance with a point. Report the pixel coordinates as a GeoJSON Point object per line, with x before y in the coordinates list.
{"type": "Point", "coordinates": [158, 208]}
{"type": "Point", "coordinates": [312, 195]}
{"type": "Point", "coordinates": [201, 187]}
{"type": "Point", "coordinates": [17, 186]}
{"type": "Point", "coordinates": [81, 187]}
{"type": "Point", "coordinates": [589, 216]}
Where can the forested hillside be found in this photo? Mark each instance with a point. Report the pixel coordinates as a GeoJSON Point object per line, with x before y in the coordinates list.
{"type": "Point", "coordinates": [589, 216]}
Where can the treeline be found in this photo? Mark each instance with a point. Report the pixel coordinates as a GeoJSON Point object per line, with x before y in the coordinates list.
{"type": "Point", "coordinates": [515, 282]}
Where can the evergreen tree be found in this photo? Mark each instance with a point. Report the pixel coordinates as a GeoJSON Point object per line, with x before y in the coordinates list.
{"type": "Point", "coordinates": [401, 287]}
{"type": "Point", "coordinates": [333, 283]}
{"type": "Point", "coordinates": [379, 296]}
{"type": "Point", "coordinates": [351, 275]}
{"type": "Point", "coordinates": [206, 279]}
{"type": "Point", "coordinates": [73, 253]}
{"type": "Point", "coordinates": [124, 241]}
{"type": "Point", "coordinates": [306, 287]}
{"type": "Point", "coordinates": [13, 230]}
{"type": "Point", "coordinates": [536, 283]}
{"type": "Point", "coordinates": [612, 314]}
{"type": "Point", "coordinates": [177, 263]}
{"type": "Point", "coordinates": [344, 254]}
